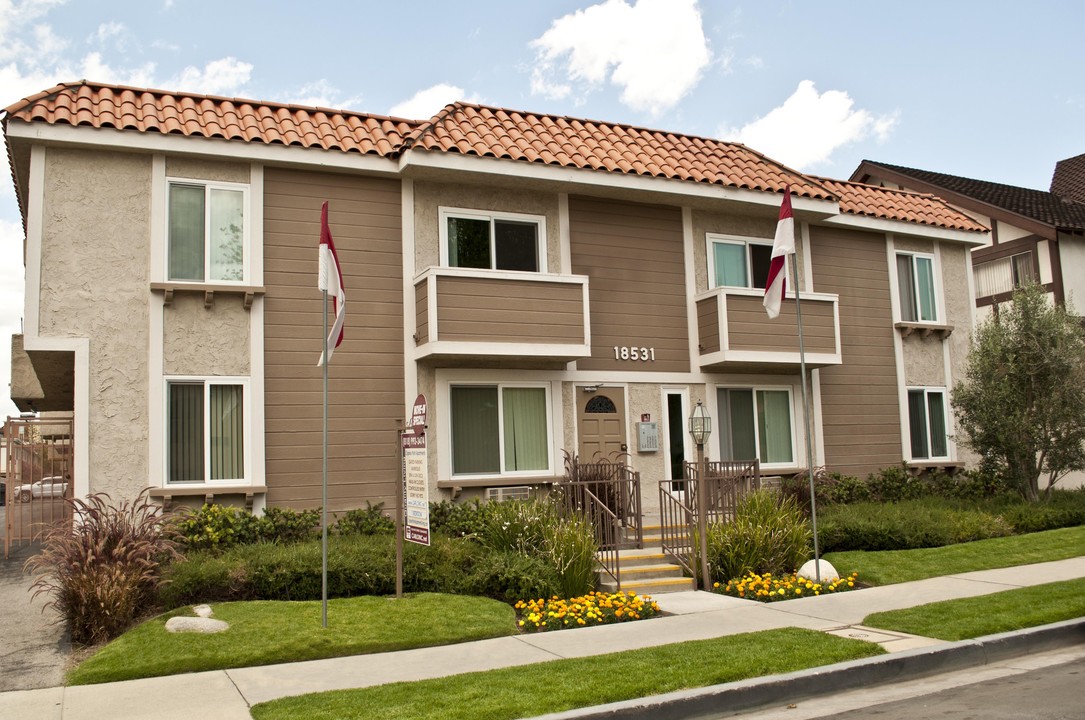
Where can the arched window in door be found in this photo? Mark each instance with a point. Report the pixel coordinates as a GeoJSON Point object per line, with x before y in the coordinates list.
{"type": "Point", "coordinates": [600, 404]}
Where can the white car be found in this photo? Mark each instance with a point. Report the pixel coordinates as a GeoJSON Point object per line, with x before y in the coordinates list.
{"type": "Point", "coordinates": [54, 486]}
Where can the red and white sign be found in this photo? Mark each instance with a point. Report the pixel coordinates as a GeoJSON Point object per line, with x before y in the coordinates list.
{"type": "Point", "coordinates": [416, 476]}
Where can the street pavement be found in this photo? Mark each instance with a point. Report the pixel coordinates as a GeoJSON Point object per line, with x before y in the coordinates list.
{"type": "Point", "coordinates": [228, 694]}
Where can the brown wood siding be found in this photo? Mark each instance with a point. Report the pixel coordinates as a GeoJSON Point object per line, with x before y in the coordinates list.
{"type": "Point", "coordinates": [634, 259]}
{"type": "Point", "coordinates": [514, 311]}
{"type": "Point", "coordinates": [748, 328]}
{"type": "Point", "coordinates": [708, 324]}
{"type": "Point", "coordinates": [859, 401]}
{"type": "Point", "coordinates": [366, 373]}
{"type": "Point", "coordinates": [421, 312]}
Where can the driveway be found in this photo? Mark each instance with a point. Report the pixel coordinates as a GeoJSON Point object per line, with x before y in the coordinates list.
{"type": "Point", "coordinates": [33, 650]}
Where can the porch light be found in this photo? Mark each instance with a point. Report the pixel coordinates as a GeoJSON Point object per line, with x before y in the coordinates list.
{"type": "Point", "coordinates": [700, 425]}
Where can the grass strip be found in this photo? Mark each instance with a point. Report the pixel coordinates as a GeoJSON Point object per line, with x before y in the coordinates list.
{"type": "Point", "coordinates": [561, 685]}
{"type": "Point", "coordinates": [974, 617]}
{"type": "Point", "coordinates": [895, 566]}
{"type": "Point", "coordinates": [267, 632]}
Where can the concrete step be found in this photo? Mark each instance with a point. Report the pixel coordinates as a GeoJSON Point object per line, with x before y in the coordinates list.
{"type": "Point", "coordinates": [638, 557]}
{"type": "Point", "coordinates": [653, 586]}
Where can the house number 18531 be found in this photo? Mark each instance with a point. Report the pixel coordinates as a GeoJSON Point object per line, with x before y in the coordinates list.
{"type": "Point", "coordinates": [634, 353]}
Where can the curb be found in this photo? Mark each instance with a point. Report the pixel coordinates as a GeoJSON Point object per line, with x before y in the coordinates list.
{"type": "Point", "coordinates": [829, 679]}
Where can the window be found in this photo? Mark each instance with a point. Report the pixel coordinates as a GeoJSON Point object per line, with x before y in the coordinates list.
{"type": "Point", "coordinates": [755, 423]}
{"type": "Point", "coordinates": [915, 283]}
{"type": "Point", "coordinates": [739, 262]}
{"type": "Point", "coordinates": [206, 235]}
{"type": "Point", "coordinates": [499, 428]}
{"type": "Point", "coordinates": [205, 431]}
{"type": "Point", "coordinates": [927, 423]}
{"type": "Point", "coordinates": [493, 241]}
{"type": "Point", "coordinates": [1005, 274]}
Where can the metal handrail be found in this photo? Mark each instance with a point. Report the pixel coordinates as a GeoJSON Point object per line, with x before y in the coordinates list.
{"type": "Point", "coordinates": [677, 522]}
{"type": "Point", "coordinates": [578, 497]}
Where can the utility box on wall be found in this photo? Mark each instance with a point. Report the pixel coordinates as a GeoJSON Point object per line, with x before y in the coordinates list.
{"type": "Point", "coordinates": [647, 437]}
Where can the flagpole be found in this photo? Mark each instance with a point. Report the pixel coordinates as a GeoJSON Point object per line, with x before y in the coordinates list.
{"type": "Point", "coordinates": [806, 419]}
{"type": "Point", "coordinates": [324, 479]}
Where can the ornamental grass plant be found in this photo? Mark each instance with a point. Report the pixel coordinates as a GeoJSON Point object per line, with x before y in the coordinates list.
{"type": "Point", "coordinates": [768, 534]}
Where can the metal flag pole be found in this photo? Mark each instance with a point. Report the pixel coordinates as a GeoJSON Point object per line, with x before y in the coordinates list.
{"type": "Point", "coordinates": [324, 480]}
{"type": "Point", "coordinates": [806, 418]}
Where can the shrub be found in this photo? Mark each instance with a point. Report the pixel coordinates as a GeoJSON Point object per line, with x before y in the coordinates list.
{"type": "Point", "coordinates": [103, 569]}
{"type": "Point", "coordinates": [768, 534]}
{"type": "Point", "coordinates": [832, 488]}
{"type": "Point", "coordinates": [456, 519]}
{"type": "Point", "coordinates": [893, 484]}
{"type": "Point", "coordinates": [370, 520]}
{"type": "Point", "coordinates": [510, 576]}
{"type": "Point", "coordinates": [930, 522]}
{"type": "Point", "coordinates": [516, 525]}
{"type": "Point", "coordinates": [284, 525]}
{"type": "Point", "coordinates": [214, 527]}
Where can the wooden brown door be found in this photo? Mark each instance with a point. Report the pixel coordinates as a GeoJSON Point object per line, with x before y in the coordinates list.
{"type": "Point", "coordinates": [600, 417]}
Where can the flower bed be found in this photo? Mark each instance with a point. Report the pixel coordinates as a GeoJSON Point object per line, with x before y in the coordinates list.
{"type": "Point", "coordinates": [592, 609]}
{"type": "Point", "coordinates": [767, 588]}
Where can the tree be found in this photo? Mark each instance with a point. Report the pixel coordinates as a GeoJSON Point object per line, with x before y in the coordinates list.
{"type": "Point", "coordinates": [1022, 403]}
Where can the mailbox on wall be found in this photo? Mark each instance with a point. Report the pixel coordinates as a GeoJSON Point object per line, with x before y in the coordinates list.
{"type": "Point", "coordinates": [647, 437]}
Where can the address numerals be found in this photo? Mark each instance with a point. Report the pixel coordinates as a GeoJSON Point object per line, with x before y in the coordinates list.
{"type": "Point", "coordinates": [641, 354]}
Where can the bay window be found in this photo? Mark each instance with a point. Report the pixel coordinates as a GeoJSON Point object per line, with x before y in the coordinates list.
{"type": "Point", "coordinates": [501, 428]}
{"type": "Point", "coordinates": [206, 231]}
{"type": "Point", "coordinates": [205, 430]}
{"type": "Point", "coordinates": [756, 423]}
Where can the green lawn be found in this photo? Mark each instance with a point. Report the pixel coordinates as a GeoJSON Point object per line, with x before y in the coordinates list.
{"type": "Point", "coordinates": [567, 684]}
{"type": "Point", "coordinates": [896, 566]}
{"type": "Point", "coordinates": [988, 614]}
{"type": "Point", "coordinates": [265, 632]}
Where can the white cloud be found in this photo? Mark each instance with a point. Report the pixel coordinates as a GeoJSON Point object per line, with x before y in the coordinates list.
{"type": "Point", "coordinates": [106, 31]}
{"type": "Point", "coordinates": [219, 77]}
{"type": "Point", "coordinates": [323, 94]}
{"type": "Point", "coordinates": [424, 104]}
{"type": "Point", "coordinates": [654, 50]}
{"type": "Point", "coordinates": [93, 68]}
{"type": "Point", "coordinates": [809, 126]}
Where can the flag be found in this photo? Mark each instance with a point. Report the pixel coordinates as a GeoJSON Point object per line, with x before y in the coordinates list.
{"type": "Point", "coordinates": [331, 280]}
{"type": "Point", "coordinates": [782, 245]}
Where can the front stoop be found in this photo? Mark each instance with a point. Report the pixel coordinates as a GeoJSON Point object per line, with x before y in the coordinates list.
{"type": "Point", "coordinates": [648, 571]}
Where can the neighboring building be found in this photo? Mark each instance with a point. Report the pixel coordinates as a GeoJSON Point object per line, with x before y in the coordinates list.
{"type": "Point", "coordinates": [1035, 236]}
{"type": "Point", "coordinates": [549, 283]}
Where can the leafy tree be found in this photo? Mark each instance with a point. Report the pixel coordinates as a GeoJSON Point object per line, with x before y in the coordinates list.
{"type": "Point", "coordinates": [1022, 404]}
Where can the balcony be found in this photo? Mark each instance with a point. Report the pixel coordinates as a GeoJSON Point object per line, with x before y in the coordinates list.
{"type": "Point", "coordinates": [511, 319]}
{"type": "Point", "coordinates": [736, 335]}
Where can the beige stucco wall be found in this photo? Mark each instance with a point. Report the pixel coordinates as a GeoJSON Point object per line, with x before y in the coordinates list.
{"type": "Point", "coordinates": [200, 340]}
{"type": "Point", "coordinates": [924, 362]}
{"type": "Point", "coordinates": [956, 265]}
{"type": "Point", "coordinates": [95, 284]}
{"type": "Point", "coordinates": [430, 197]}
{"type": "Point", "coordinates": [184, 167]}
{"type": "Point", "coordinates": [729, 224]}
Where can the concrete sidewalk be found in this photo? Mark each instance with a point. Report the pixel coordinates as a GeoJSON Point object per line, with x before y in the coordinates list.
{"type": "Point", "coordinates": [228, 694]}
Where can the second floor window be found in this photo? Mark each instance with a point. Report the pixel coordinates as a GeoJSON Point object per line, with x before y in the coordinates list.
{"type": "Point", "coordinates": [1005, 274]}
{"type": "Point", "coordinates": [206, 232]}
{"type": "Point", "coordinates": [737, 262]}
{"type": "Point", "coordinates": [915, 283]}
{"type": "Point", "coordinates": [493, 241]}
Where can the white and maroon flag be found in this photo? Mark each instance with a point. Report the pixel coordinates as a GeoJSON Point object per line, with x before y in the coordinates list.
{"type": "Point", "coordinates": [782, 245]}
{"type": "Point", "coordinates": [331, 280]}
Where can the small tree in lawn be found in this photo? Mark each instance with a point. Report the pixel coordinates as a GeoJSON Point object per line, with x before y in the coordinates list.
{"type": "Point", "coordinates": [1022, 404]}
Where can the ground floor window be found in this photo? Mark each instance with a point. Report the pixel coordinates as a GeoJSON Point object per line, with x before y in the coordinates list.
{"type": "Point", "coordinates": [205, 430]}
{"type": "Point", "coordinates": [499, 428]}
{"type": "Point", "coordinates": [927, 423]}
{"type": "Point", "coordinates": [755, 423]}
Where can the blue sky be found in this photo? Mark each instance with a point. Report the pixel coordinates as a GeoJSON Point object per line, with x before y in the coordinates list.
{"type": "Point", "coordinates": [989, 90]}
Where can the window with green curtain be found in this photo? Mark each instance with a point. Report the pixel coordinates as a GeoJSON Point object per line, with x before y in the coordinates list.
{"type": "Point", "coordinates": [737, 436]}
{"type": "Point", "coordinates": [924, 272]}
{"type": "Point", "coordinates": [917, 424]}
{"type": "Point", "coordinates": [475, 429]}
{"type": "Point", "coordinates": [226, 434]}
{"type": "Point", "coordinates": [730, 261]}
{"type": "Point", "coordinates": [524, 422]}
{"type": "Point", "coordinates": [469, 243]}
{"type": "Point", "coordinates": [185, 432]}
{"type": "Point", "coordinates": [774, 426]}
{"type": "Point", "coordinates": [227, 235]}
{"type": "Point", "coordinates": [936, 408]}
{"type": "Point", "coordinates": [186, 232]}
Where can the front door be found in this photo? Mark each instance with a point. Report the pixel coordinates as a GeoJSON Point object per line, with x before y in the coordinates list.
{"type": "Point", "coordinates": [600, 418]}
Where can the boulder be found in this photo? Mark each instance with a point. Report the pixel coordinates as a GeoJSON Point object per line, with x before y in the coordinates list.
{"type": "Point", "coordinates": [828, 572]}
{"type": "Point", "coordinates": [202, 611]}
{"type": "Point", "coordinates": [196, 625]}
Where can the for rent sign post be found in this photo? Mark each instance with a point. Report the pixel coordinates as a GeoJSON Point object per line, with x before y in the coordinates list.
{"type": "Point", "coordinates": [416, 476]}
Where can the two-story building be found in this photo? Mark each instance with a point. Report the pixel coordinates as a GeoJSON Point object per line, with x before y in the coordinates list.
{"type": "Point", "coordinates": [550, 284]}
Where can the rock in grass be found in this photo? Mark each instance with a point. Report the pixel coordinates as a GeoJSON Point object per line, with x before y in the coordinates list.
{"type": "Point", "coordinates": [828, 572]}
{"type": "Point", "coordinates": [202, 610]}
{"type": "Point", "coordinates": [196, 625]}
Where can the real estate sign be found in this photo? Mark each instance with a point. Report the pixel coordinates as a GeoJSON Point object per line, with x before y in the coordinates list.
{"type": "Point", "coordinates": [416, 476]}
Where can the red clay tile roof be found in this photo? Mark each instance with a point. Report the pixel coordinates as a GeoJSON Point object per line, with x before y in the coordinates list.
{"type": "Point", "coordinates": [925, 209]}
{"type": "Point", "coordinates": [125, 108]}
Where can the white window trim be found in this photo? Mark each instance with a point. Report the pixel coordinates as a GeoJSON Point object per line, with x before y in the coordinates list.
{"type": "Point", "coordinates": [446, 429]}
{"type": "Point", "coordinates": [445, 213]}
{"type": "Point", "coordinates": [757, 438]}
{"type": "Point", "coordinates": [927, 390]}
{"type": "Point", "coordinates": [246, 231]}
{"type": "Point", "coordinates": [936, 278]}
{"type": "Point", "coordinates": [247, 450]}
{"type": "Point", "coordinates": [713, 238]}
